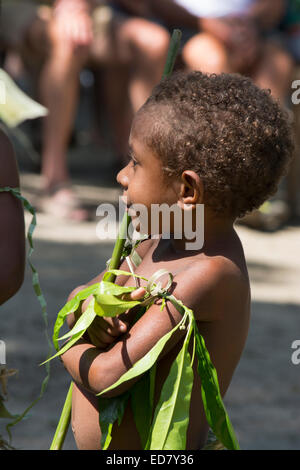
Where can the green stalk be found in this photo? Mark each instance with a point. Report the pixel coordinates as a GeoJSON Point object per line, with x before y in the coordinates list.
{"type": "Point", "coordinates": [63, 424]}
{"type": "Point", "coordinates": [172, 53]}
{"type": "Point", "coordinates": [119, 245]}
{"type": "Point", "coordinates": [64, 421]}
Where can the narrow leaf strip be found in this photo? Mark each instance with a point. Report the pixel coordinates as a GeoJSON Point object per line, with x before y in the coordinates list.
{"type": "Point", "coordinates": [71, 307]}
{"type": "Point", "coordinates": [66, 346]}
{"type": "Point", "coordinates": [83, 322]}
{"type": "Point", "coordinates": [38, 292]}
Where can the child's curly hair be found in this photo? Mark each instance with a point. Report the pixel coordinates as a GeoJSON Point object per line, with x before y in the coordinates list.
{"type": "Point", "coordinates": [233, 134]}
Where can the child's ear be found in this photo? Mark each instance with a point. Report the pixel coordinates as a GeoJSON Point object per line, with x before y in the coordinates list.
{"type": "Point", "coordinates": [191, 189]}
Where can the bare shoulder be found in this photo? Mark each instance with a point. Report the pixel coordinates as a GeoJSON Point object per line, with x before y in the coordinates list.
{"type": "Point", "coordinates": [212, 285]}
{"type": "Point", "coordinates": [9, 175]}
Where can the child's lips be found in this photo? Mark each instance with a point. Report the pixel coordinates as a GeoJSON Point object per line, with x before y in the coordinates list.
{"type": "Point", "coordinates": [128, 209]}
{"type": "Point", "coordinates": [127, 203]}
{"type": "Point", "coordinates": [125, 200]}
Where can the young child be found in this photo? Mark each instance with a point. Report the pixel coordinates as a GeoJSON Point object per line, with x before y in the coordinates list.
{"type": "Point", "coordinates": [12, 236]}
{"type": "Point", "coordinates": [215, 140]}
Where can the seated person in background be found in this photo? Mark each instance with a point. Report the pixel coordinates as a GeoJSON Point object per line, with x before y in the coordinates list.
{"type": "Point", "coordinates": [240, 36]}
{"type": "Point", "coordinates": [291, 33]}
{"type": "Point", "coordinates": [232, 36]}
{"type": "Point", "coordinates": [72, 34]}
{"type": "Point", "coordinates": [12, 239]}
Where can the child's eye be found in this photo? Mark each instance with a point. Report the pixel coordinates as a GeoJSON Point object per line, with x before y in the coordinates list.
{"type": "Point", "coordinates": [132, 159]}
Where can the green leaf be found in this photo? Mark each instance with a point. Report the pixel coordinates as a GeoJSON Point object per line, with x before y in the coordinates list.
{"type": "Point", "coordinates": [118, 272]}
{"type": "Point", "coordinates": [171, 417]}
{"type": "Point", "coordinates": [109, 288]}
{"type": "Point", "coordinates": [145, 362]}
{"type": "Point", "coordinates": [15, 105]}
{"type": "Point", "coordinates": [111, 306]}
{"type": "Point", "coordinates": [65, 347]}
{"type": "Point", "coordinates": [110, 410]}
{"type": "Point", "coordinates": [215, 411]}
{"type": "Point", "coordinates": [71, 307]}
{"type": "Point", "coordinates": [141, 395]}
{"type": "Point", "coordinates": [83, 322]}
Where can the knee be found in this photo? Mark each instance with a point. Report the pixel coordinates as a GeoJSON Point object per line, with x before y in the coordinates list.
{"type": "Point", "coordinates": [205, 53]}
{"type": "Point", "coordinates": [148, 40]}
{"type": "Point", "coordinates": [156, 49]}
{"type": "Point", "coordinates": [67, 54]}
{"type": "Point", "coordinates": [280, 60]}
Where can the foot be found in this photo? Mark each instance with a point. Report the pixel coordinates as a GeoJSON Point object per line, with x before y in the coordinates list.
{"type": "Point", "coordinates": [61, 201]}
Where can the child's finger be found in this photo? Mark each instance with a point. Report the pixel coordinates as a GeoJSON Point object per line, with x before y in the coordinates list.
{"type": "Point", "coordinates": [113, 326]}
{"type": "Point", "coordinates": [136, 294]}
{"type": "Point", "coordinates": [86, 303]}
{"type": "Point", "coordinates": [96, 341]}
{"type": "Point", "coordinates": [100, 336]}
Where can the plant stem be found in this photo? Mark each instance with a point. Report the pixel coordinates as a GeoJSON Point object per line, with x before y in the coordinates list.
{"type": "Point", "coordinates": [64, 421]}
{"type": "Point", "coordinates": [63, 424]}
{"type": "Point", "coordinates": [119, 245]}
{"type": "Point", "coordinates": [172, 53]}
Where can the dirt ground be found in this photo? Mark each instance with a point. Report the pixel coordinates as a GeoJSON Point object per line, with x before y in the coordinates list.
{"type": "Point", "coordinates": [264, 398]}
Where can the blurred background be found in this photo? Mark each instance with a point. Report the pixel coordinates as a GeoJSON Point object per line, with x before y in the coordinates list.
{"type": "Point", "coordinates": [93, 63]}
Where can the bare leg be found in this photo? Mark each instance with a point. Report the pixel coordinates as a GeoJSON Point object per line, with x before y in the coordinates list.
{"type": "Point", "coordinates": [139, 52]}
{"type": "Point", "coordinates": [59, 88]}
{"type": "Point", "coordinates": [147, 46]}
{"type": "Point", "coordinates": [274, 72]}
{"type": "Point", "coordinates": [293, 186]}
{"type": "Point", "coordinates": [85, 419]}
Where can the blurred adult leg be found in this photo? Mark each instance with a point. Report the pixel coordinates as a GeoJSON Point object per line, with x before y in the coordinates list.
{"type": "Point", "coordinates": [59, 89]}
{"type": "Point", "coordinates": [59, 83]}
{"type": "Point", "coordinates": [274, 71]}
{"type": "Point", "coordinates": [135, 65]}
{"type": "Point", "coordinates": [205, 53]}
{"type": "Point", "coordinates": [146, 45]}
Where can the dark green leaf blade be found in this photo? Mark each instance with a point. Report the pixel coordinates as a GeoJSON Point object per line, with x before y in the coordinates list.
{"type": "Point", "coordinates": [215, 411]}
{"type": "Point", "coordinates": [110, 410]}
{"type": "Point", "coordinates": [142, 406]}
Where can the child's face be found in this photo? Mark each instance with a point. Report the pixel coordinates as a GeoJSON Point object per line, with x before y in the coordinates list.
{"type": "Point", "coordinates": [142, 179]}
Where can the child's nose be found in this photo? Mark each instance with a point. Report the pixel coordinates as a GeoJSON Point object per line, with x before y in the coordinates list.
{"type": "Point", "coordinates": [122, 178]}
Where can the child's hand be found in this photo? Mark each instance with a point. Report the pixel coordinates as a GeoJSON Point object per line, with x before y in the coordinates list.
{"type": "Point", "coordinates": [105, 330]}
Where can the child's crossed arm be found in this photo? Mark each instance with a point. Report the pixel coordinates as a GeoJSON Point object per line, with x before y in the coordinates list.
{"type": "Point", "coordinates": [97, 369]}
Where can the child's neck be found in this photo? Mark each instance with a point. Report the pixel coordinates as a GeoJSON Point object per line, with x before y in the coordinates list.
{"type": "Point", "coordinates": [216, 229]}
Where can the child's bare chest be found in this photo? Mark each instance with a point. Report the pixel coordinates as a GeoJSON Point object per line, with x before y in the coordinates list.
{"type": "Point", "coordinates": [157, 258]}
